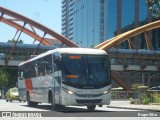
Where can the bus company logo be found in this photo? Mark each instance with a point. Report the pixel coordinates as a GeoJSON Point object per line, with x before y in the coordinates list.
{"type": "Point", "coordinates": [6, 114]}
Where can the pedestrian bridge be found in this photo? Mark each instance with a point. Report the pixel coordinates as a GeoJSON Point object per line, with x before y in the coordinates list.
{"type": "Point", "coordinates": [21, 53]}
{"type": "Point", "coordinates": [134, 60]}
{"type": "Point", "coordinates": [120, 59]}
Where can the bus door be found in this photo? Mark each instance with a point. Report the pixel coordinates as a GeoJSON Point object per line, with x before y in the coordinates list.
{"type": "Point", "coordinates": [57, 81]}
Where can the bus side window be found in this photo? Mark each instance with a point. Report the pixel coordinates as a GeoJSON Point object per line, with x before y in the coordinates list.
{"type": "Point", "coordinates": [36, 69]}
{"type": "Point", "coordinates": [57, 65]}
{"type": "Point", "coordinates": [20, 74]}
{"type": "Point", "coordinates": [56, 62]}
{"type": "Point", "coordinates": [48, 64]}
{"type": "Point", "coordinates": [41, 67]}
{"type": "Point", "coordinates": [48, 68]}
{"type": "Point", "coordinates": [56, 68]}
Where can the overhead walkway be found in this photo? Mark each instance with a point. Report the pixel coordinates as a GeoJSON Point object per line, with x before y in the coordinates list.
{"type": "Point", "coordinates": [21, 53]}
{"type": "Point", "coordinates": [134, 60]}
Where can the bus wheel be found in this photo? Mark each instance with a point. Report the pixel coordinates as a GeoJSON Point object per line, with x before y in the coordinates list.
{"type": "Point", "coordinates": [91, 108]}
{"type": "Point", "coordinates": [29, 102]}
{"type": "Point", "coordinates": [53, 106]}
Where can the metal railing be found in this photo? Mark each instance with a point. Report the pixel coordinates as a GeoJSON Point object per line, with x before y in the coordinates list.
{"type": "Point", "coordinates": [124, 95]}
{"type": "Point", "coordinates": [152, 95]}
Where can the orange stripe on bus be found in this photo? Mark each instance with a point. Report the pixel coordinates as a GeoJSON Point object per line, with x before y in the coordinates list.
{"type": "Point", "coordinates": [28, 83]}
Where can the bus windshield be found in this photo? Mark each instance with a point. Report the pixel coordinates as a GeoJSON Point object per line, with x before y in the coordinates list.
{"type": "Point", "coordinates": [86, 71]}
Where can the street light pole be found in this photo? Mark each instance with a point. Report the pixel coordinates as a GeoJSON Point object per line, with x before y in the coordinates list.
{"type": "Point", "coordinates": [150, 79]}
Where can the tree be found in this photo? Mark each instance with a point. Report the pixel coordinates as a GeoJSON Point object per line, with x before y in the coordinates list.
{"type": "Point", "coordinates": [12, 77]}
{"type": "Point", "coordinates": [154, 6]}
{"type": "Point", "coordinates": [14, 41]}
{"type": "Point", "coordinates": [3, 78]}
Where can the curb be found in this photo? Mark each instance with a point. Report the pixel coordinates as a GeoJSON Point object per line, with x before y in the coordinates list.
{"type": "Point", "coordinates": [134, 108]}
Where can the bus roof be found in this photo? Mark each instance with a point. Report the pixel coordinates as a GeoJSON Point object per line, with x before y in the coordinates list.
{"type": "Point", "coordinates": [68, 51]}
{"type": "Point", "coordinates": [79, 51]}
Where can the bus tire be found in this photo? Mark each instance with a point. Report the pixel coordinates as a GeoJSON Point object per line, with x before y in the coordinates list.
{"type": "Point", "coordinates": [29, 102]}
{"type": "Point", "coordinates": [51, 100]}
{"type": "Point", "coordinates": [91, 107]}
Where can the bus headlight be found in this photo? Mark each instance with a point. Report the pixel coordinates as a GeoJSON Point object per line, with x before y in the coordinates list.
{"type": "Point", "coordinates": [106, 91]}
{"type": "Point", "coordinates": [70, 92]}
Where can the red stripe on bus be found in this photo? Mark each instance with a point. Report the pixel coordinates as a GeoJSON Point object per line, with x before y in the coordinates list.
{"type": "Point", "coordinates": [28, 83]}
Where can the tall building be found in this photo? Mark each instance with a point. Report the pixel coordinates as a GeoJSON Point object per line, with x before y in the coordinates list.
{"type": "Point", "coordinates": [66, 6]}
{"type": "Point", "coordinates": [90, 22]}
{"type": "Point", "coordinates": [83, 21]}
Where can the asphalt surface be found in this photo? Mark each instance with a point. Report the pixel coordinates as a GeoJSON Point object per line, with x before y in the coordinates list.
{"type": "Point", "coordinates": [71, 112]}
{"type": "Point", "coordinates": [126, 105]}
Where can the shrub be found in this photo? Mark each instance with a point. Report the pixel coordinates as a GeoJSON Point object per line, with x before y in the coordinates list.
{"type": "Point", "coordinates": [156, 98]}
{"type": "Point", "coordinates": [145, 99]}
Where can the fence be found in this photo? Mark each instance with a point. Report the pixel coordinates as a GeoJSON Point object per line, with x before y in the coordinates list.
{"type": "Point", "coordinates": [152, 95]}
{"type": "Point", "coordinates": [124, 95]}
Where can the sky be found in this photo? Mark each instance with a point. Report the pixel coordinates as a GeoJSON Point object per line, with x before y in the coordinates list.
{"type": "Point", "coordinates": [45, 12]}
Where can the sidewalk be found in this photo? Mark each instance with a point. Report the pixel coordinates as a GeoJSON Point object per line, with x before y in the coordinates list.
{"type": "Point", "coordinates": [127, 105]}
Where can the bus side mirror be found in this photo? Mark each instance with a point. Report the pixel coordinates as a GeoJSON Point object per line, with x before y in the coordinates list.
{"type": "Point", "coordinates": [20, 78]}
{"type": "Point", "coordinates": [57, 57]}
{"type": "Point", "coordinates": [58, 79]}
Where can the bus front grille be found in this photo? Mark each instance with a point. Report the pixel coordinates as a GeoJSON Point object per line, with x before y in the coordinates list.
{"type": "Point", "coordinates": [88, 95]}
{"type": "Point", "coordinates": [80, 101]}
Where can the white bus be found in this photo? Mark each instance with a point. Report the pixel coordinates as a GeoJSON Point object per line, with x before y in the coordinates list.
{"type": "Point", "coordinates": [66, 76]}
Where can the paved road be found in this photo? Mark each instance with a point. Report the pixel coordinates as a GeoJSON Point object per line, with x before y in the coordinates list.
{"type": "Point", "coordinates": [69, 113]}
{"type": "Point", "coordinates": [22, 106]}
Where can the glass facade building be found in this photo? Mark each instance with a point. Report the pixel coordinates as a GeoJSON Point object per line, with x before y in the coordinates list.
{"type": "Point", "coordinates": [90, 22]}
{"type": "Point", "coordinates": [83, 21]}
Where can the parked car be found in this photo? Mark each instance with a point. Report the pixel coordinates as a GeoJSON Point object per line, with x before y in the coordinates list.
{"type": "Point", "coordinates": [12, 94]}
{"type": "Point", "coordinates": [155, 88]}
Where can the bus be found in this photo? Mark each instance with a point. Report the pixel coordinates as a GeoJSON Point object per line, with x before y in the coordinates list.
{"type": "Point", "coordinates": [66, 76]}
